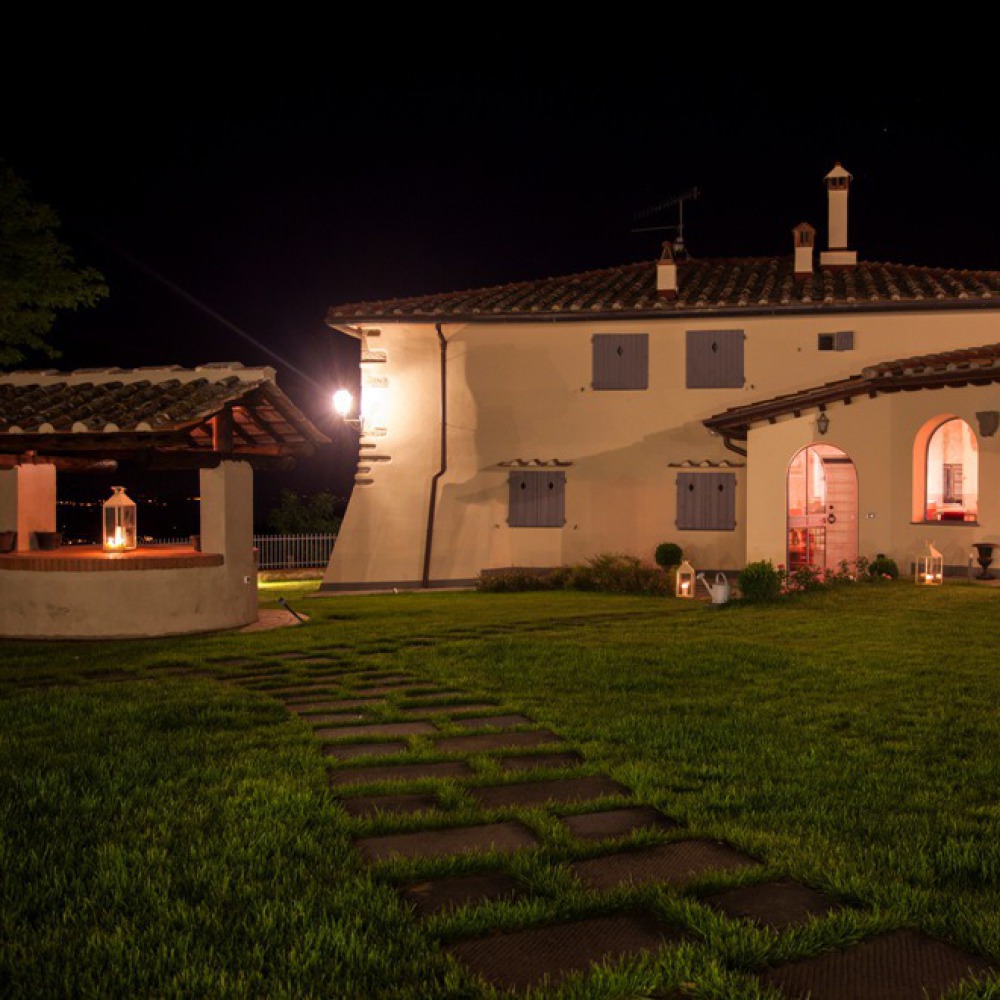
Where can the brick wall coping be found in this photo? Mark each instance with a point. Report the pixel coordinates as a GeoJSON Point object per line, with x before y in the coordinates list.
{"type": "Point", "coordinates": [93, 559]}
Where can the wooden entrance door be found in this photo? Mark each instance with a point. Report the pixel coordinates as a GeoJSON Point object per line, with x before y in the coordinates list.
{"type": "Point", "coordinates": [822, 508]}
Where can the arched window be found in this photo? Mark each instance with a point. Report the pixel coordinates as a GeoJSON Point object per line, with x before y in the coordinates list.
{"type": "Point", "coordinates": [951, 471]}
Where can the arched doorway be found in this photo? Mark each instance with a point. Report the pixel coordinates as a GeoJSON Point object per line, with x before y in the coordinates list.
{"type": "Point", "coordinates": [822, 508]}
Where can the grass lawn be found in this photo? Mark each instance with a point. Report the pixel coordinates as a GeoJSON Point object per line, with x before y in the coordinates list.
{"type": "Point", "coordinates": [168, 835]}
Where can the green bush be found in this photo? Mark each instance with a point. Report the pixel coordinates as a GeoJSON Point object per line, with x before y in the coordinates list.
{"type": "Point", "coordinates": [513, 581]}
{"type": "Point", "coordinates": [881, 567]}
{"type": "Point", "coordinates": [668, 554]}
{"type": "Point", "coordinates": [619, 574]}
{"type": "Point", "coordinates": [760, 581]}
{"type": "Point", "coordinates": [609, 572]}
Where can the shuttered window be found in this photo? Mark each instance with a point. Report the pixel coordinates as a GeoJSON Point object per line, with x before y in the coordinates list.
{"type": "Point", "coordinates": [706, 501]}
{"type": "Point", "coordinates": [714, 359]}
{"type": "Point", "coordinates": [621, 361]}
{"type": "Point", "coordinates": [537, 499]}
{"type": "Point", "coordinates": [843, 340]}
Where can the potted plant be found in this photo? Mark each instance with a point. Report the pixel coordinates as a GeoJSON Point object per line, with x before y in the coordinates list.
{"type": "Point", "coordinates": [48, 540]}
{"type": "Point", "coordinates": [8, 539]}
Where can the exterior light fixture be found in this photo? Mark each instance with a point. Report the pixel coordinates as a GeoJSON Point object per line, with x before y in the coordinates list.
{"type": "Point", "coordinates": [930, 569]}
{"type": "Point", "coordinates": [684, 586]}
{"type": "Point", "coordinates": [119, 522]}
{"type": "Point", "coordinates": [343, 402]}
{"type": "Point", "coordinates": [822, 422]}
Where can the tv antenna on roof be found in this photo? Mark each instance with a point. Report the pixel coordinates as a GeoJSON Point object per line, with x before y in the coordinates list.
{"type": "Point", "coordinates": [692, 194]}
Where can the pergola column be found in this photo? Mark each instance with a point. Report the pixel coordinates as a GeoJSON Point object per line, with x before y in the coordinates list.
{"type": "Point", "coordinates": [227, 512]}
{"type": "Point", "coordinates": [28, 501]}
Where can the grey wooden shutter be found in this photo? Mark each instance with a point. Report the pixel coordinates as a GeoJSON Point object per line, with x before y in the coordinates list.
{"type": "Point", "coordinates": [621, 361]}
{"type": "Point", "coordinates": [706, 501]}
{"type": "Point", "coordinates": [714, 359]}
{"type": "Point", "coordinates": [521, 505]}
{"type": "Point", "coordinates": [843, 340]}
{"type": "Point", "coordinates": [536, 499]}
{"type": "Point", "coordinates": [551, 499]}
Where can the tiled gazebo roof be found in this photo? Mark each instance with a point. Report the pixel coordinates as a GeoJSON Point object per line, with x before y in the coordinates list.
{"type": "Point", "coordinates": [204, 414]}
{"type": "Point", "coordinates": [730, 285]}
{"type": "Point", "coordinates": [971, 366]}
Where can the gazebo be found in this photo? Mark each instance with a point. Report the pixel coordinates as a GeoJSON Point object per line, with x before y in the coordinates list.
{"type": "Point", "coordinates": [221, 419]}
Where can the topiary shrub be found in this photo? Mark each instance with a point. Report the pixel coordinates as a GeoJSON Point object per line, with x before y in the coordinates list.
{"type": "Point", "coordinates": [760, 582]}
{"type": "Point", "coordinates": [668, 554]}
{"type": "Point", "coordinates": [882, 568]}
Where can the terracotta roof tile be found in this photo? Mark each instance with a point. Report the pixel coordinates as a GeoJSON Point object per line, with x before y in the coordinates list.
{"type": "Point", "coordinates": [52, 411]}
{"type": "Point", "coordinates": [731, 284]}
{"type": "Point", "coordinates": [969, 366]}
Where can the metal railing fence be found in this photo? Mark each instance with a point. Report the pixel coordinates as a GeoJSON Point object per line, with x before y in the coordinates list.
{"type": "Point", "coordinates": [279, 551]}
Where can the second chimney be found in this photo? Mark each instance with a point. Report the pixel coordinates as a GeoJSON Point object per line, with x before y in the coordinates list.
{"type": "Point", "coordinates": [666, 273]}
{"type": "Point", "coordinates": [804, 240]}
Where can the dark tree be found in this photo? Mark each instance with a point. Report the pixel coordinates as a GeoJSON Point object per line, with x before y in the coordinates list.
{"type": "Point", "coordinates": [38, 275]}
{"type": "Point", "coordinates": [296, 515]}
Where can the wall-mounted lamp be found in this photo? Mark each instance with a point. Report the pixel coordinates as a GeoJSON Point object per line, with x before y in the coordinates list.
{"type": "Point", "coordinates": [822, 422]}
{"type": "Point", "coordinates": [343, 405]}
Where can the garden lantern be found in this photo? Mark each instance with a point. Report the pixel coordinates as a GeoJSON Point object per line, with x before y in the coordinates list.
{"type": "Point", "coordinates": [930, 569]}
{"type": "Point", "coordinates": [119, 522]}
{"type": "Point", "coordinates": [685, 580]}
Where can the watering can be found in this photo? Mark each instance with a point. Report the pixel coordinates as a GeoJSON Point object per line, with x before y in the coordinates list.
{"type": "Point", "coordinates": [718, 591]}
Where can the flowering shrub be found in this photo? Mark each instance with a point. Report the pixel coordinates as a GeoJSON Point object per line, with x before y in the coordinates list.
{"type": "Point", "coordinates": [807, 578]}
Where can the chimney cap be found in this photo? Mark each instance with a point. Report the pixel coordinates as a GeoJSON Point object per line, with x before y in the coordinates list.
{"type": "Point", "coordinates": [838, 171]}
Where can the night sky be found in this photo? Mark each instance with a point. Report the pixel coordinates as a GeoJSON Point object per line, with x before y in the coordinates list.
{"type": "Point", "coordinates": [270, 193]}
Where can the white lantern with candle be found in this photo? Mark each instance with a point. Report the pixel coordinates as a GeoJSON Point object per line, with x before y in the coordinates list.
{"type": "Point", "coordinates": [119, 522]}
{"type": "Point", "coordinates": [685, 580]}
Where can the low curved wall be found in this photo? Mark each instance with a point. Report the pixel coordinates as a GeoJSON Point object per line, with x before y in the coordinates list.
{"type": "Point", "coordinates": [90, 595]}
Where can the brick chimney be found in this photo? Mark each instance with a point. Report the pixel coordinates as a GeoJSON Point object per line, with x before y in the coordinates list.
{"type": "Point", "coordinates": [804, 240]}
{"type": "Point", "coordinates": [666, 273]}
{"type": "Point", "coordinates": [838, 182]}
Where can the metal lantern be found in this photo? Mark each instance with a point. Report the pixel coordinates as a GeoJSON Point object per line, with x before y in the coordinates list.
{"type": "Point", "coordinates": [685, 580]}
{"type": "Point", "coordinates": [119, 522]}
{"type": "Point", "coordinates": [930, 569]}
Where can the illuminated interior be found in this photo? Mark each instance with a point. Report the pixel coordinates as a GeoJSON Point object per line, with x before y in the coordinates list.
{"type": "Point", "coordinates": [952, 473]}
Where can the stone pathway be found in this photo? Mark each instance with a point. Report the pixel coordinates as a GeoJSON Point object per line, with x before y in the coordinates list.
{"type": "Point", "coordinates": [377, 728]}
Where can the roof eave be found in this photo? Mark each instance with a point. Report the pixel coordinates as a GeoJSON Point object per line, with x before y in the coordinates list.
{"type": "Point", "coordinates": [346, 324]}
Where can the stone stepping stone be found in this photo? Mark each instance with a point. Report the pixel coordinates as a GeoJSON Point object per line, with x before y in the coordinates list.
{"type": "Point", "coordinates": [347, 751]}
{"type": "Point", "coordinates": [531, 762]}
{"type": "Point", "coordinates": [396, 772]}
{"type": "Point", "coordinates": [237, 661]}
{"type": "Point", "coordinates": [325, 705]}
{"type": "Point", "coordinates": [404, 804]}
{"type": "Point", "coordinates": [421, 698]}
{"type": "Point", "coordinates": [894, 966]}
{"type": "Point", "coordinates": [377, 729]}
{"type": "Point", "coordinates": [331, 718]}
{"type": "Point", "coordinates": [519, 960]}
{"type": "Point", "coordinates": [428, 898]}
{"type": "Point", "coordinates": [618, 823]}
{"type": "Point", "coordinates": [666, 864]}
{"type": "Point", "coordinates": [504, 838]}
{"type": "Point", "coordinates": [419, 710]}
{"type": "Point", "coordinates": [303, 691]}
{"type": "Point", "coordinates": [496, 741]}
{"type": "Point", "coordinates": [367, 689]}
{"type": "Point", "coordinates": [494, 721]}
{"type": "Point", "coordinates": [538, 793]}
{"type": "Point", "coordinates": [780, 904]}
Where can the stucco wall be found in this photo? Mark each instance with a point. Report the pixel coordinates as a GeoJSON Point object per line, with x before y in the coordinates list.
{"type": "Point", "coordinates": [523, 391]}
{"type": "Point", "coordinates": [878, 435]}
